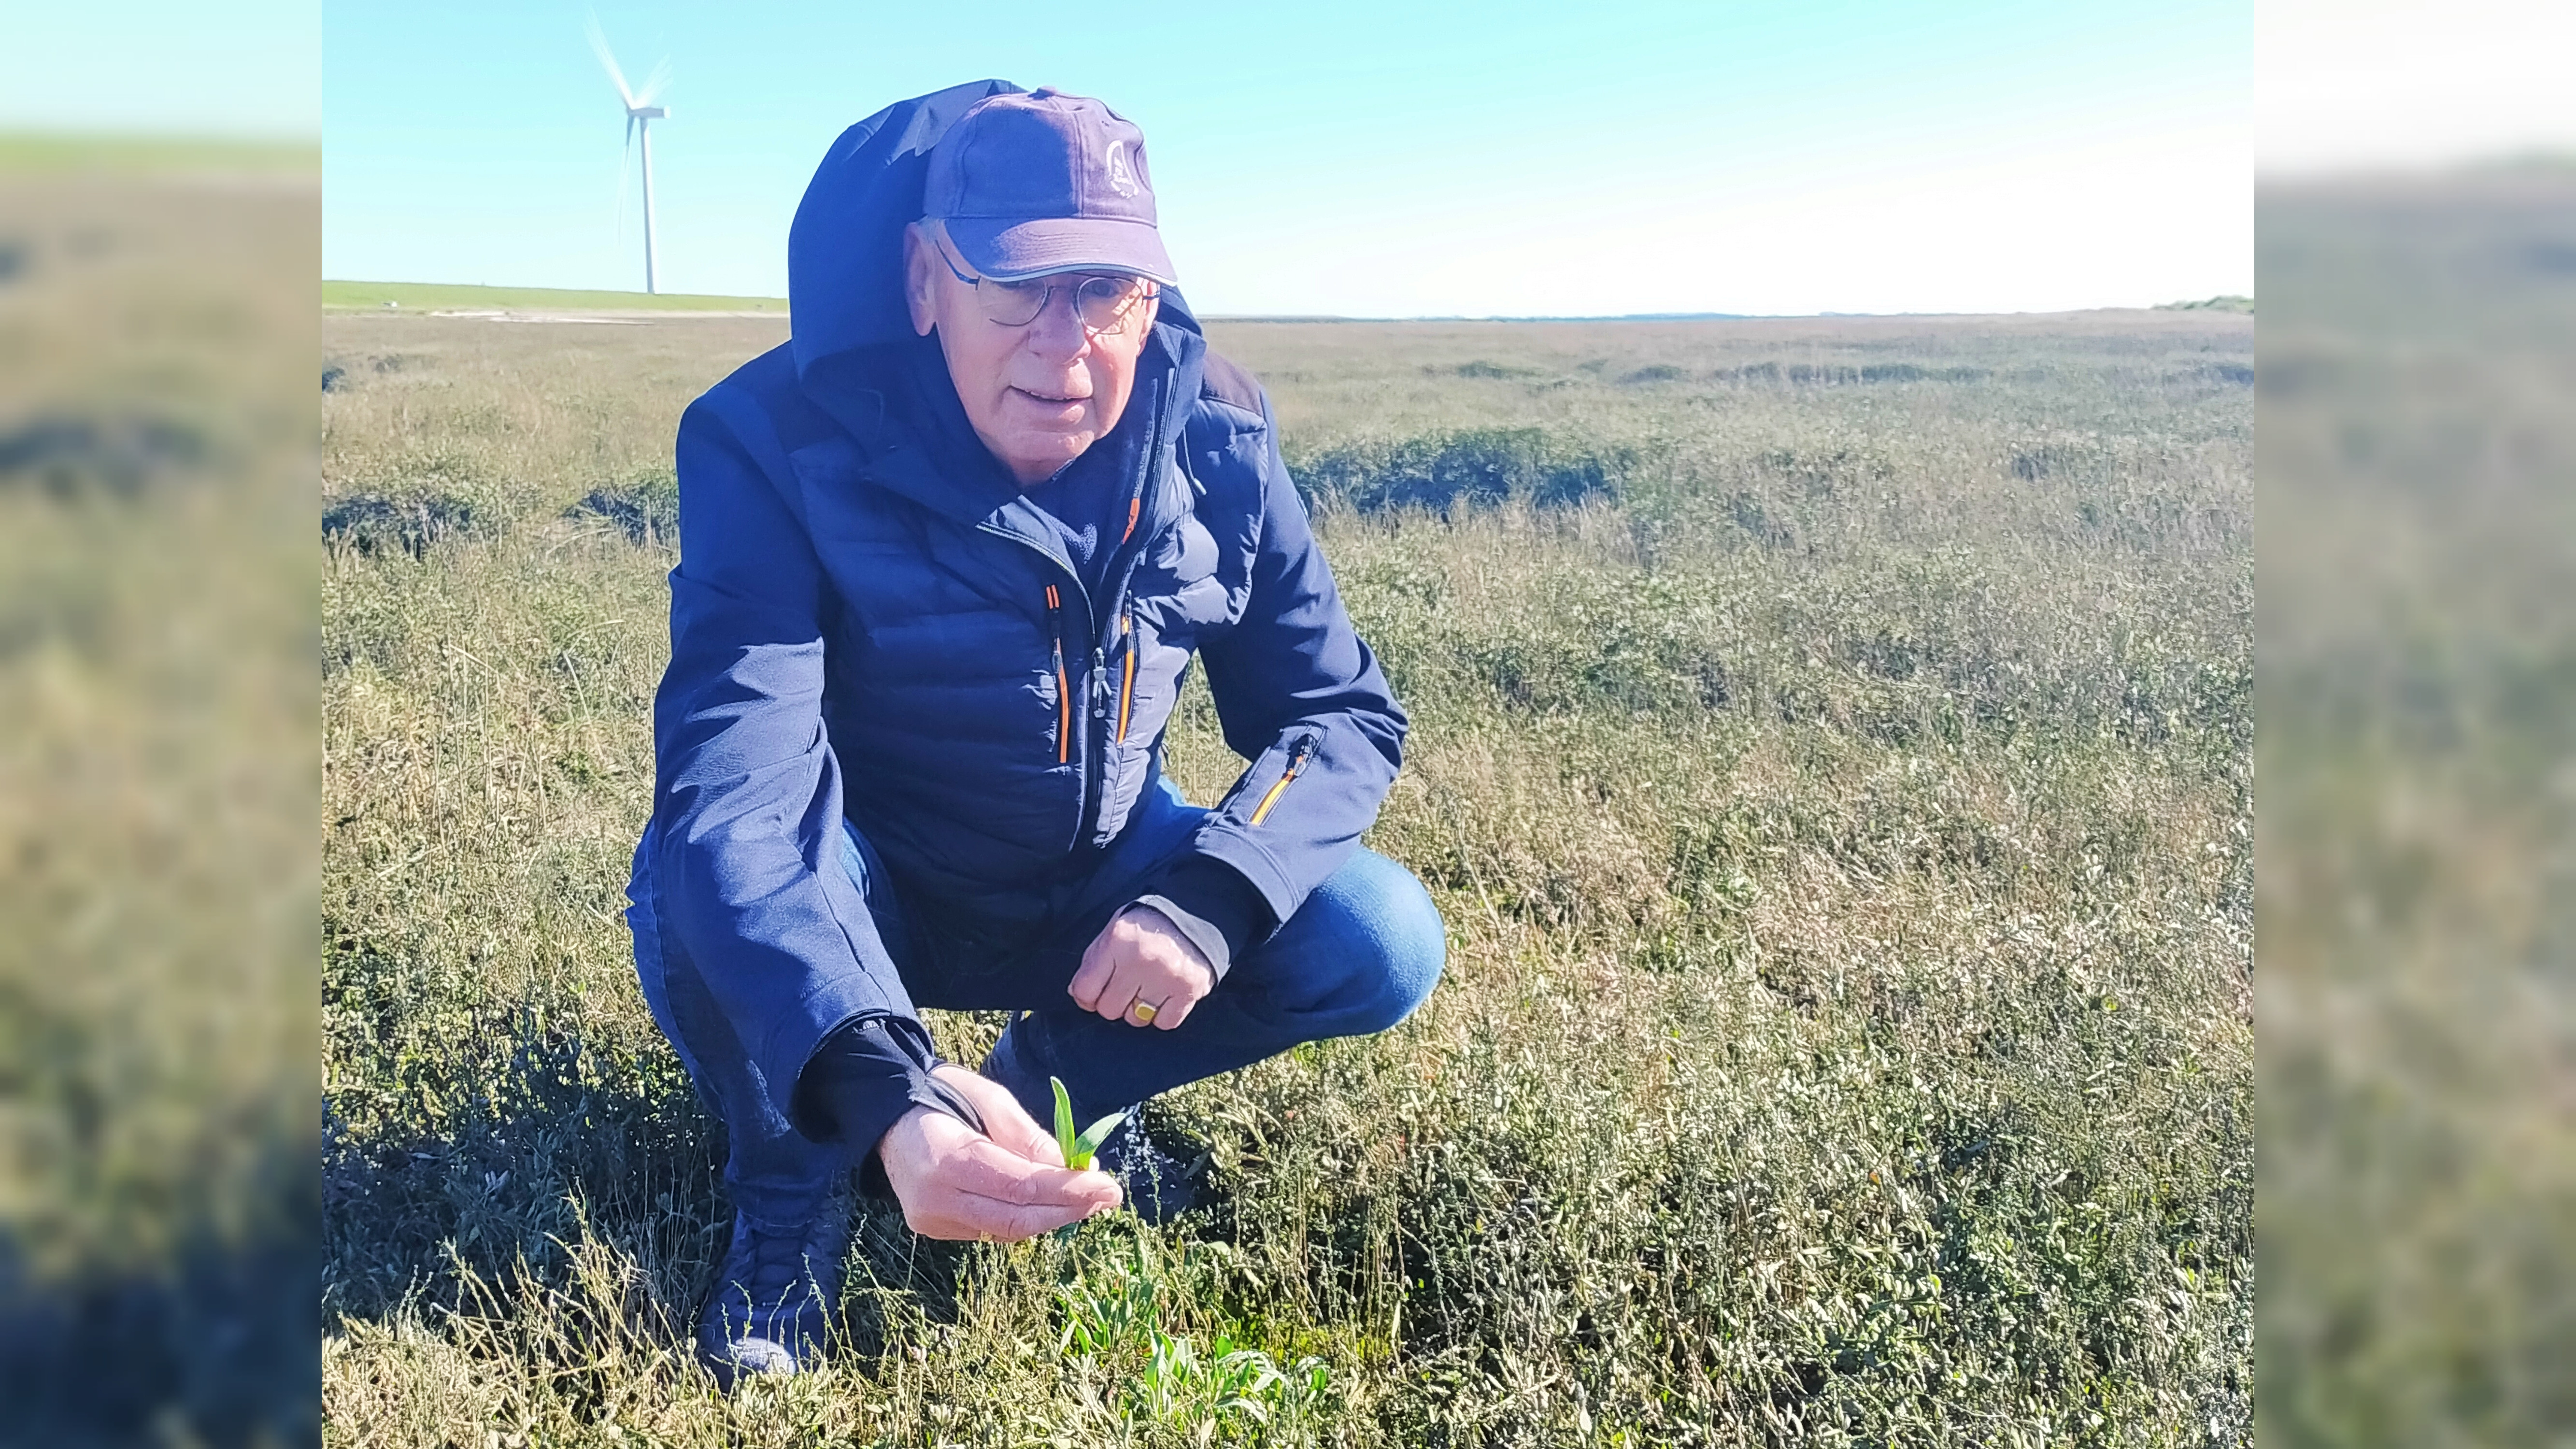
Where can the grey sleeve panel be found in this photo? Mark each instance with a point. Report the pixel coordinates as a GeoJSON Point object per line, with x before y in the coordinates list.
{"type": "Point", "coordinates": [1201, 932]}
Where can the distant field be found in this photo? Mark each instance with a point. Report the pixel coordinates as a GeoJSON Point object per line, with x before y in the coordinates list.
{"type": "Point", "coordinates": [439, 296]}
{"type": "Point", "coordinates": [1831, 754]}
{"type": "Point", "coordinates": [48, 153]}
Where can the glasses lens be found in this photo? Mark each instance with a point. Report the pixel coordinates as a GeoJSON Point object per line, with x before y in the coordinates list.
{"type": "Point", "coordinates": [1105, 301]}
{"type": "Point", "coordinates": [1013, 304]}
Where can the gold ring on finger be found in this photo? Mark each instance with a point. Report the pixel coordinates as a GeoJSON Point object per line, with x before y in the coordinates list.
{"type": "Point", "coordinates": [1142, 1013]}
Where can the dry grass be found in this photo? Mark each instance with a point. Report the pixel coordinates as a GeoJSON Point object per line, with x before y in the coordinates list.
{"type": "Point", "coordinates": [1841, 807]}
{"type": "Point", "coordinates": [2419, 818]}
{"type": "Point", "coordinates": [157, 882]}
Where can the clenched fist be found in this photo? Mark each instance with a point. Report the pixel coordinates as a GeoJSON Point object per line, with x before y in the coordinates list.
{"type": "Point", "coordinates": [1141, 957]}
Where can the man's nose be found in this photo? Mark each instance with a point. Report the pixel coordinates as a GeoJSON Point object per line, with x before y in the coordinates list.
{"type": "Point", "coordinates": [1057, 330]}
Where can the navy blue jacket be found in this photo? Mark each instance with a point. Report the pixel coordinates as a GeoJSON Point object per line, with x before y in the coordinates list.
{"type": "Point", "coordinates": [860, 628]}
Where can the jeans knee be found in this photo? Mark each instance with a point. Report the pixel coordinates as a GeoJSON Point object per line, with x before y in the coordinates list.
{"type": "Point", "coordinates": [1412, 941]}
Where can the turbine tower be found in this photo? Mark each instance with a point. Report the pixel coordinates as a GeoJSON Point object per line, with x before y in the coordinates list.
{"type": "Point", "coordinates": [641, 113]}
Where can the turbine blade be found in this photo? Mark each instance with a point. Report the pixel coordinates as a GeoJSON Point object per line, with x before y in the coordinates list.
{"type": "Point", "coordinates": [653, 83]}
{"type": "Point", "coordinates": [608, 62]}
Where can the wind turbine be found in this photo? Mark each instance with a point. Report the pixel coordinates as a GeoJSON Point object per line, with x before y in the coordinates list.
{"type": "Point", "coordinates": [641, 113]}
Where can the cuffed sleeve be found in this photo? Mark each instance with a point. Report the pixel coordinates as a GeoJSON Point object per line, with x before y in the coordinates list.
{"type": "Point", "coordinates": [864, 1078]}
{"type": "Point", "coordinates": [1211, 904]}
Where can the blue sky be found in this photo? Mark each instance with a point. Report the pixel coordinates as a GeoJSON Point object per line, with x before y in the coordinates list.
{"type": "Point", "coordinates": [1361, 158]}
{"type": "Point", "coordinates": [1353, 158]}
{"type": "Point", "coordinates": [244, 69]}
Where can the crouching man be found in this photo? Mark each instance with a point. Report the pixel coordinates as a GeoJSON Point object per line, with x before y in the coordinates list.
{"type": "Point", "coordinates": [946, 555]}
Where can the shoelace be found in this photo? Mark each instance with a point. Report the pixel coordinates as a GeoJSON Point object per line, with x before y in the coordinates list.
{"type": "Point", "coordinates": [777, 1262]}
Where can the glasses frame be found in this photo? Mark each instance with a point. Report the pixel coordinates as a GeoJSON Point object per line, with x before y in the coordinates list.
{"type": "Point", "coordinates": [1146, 290]}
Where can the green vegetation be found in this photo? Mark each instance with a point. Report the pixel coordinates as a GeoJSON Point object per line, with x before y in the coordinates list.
{"type": "Point", "coordinates": [451, 297]}
{"type": "Point", "coordinates": [41, 154]}
{"type": "Point", "coordinates": [1831, 754]}
{"type": "Point", "coordinates": [2210, 304]}
{"type": "Point", "coordinates": [2419, 814]}
{"type": "Point", "coordinates": [1077, 1147]}
{"type": "Point", "coordinates": [157, 790]}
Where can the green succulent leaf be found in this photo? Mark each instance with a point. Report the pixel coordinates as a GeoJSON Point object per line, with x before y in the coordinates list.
{"type": "Point", "coordinates": [1078, 1149]}
{"type": "Point", "coordinates": [1064, 1138]}
{"type": "Point", "coordinates": [1095, 1134]}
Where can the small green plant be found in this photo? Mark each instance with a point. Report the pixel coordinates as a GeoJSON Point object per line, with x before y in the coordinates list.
{"type": "Point", "coordinates": [1114, 1334]}
{"type": "Point", "coordinates": [1078, 1149]}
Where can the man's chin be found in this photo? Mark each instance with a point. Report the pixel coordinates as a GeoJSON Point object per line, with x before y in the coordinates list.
{"type": "Point", "coordinates": [1048, 451]}
{"type": "Point", "coordinates": [1047, 432]}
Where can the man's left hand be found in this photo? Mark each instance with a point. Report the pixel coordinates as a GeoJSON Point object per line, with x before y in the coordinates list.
{"type": "Point", "coordinates": [1141, 957]}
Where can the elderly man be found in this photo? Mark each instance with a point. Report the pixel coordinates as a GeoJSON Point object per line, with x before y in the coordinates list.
{"type": "Point", "coordinates": [946, 556]}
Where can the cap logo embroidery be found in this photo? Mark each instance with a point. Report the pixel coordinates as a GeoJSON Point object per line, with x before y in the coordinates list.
{"type": "Point", "coordinates": [1121, 180]}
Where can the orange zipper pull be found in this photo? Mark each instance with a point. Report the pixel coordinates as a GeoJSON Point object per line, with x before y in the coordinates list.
{"type": "Point", "coordinates": [1296, 762]}
{"type": "Point", "coordinates": [1063, 690]}
{"type": "Point", "coordinates": [1127, 686]}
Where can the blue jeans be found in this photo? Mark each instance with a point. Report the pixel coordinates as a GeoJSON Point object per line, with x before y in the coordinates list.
{"type": "Point", "coordinates": [1359, 955]}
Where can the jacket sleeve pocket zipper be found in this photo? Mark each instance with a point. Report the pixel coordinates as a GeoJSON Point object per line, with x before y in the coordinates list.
{"type": "Point", "coordinates": [1063, 690]}
{"type": "Point", "coordinates": [1296, 763]}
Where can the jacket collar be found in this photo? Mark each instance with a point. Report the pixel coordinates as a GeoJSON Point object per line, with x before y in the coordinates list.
{"type": "Point", "coordinates": [896, 401]}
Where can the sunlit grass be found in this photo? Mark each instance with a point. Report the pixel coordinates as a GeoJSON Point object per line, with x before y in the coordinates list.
{"type": "Point", "coordinates": [1840, 805]}
{"type": "Point", "coordinates": [157, 882]}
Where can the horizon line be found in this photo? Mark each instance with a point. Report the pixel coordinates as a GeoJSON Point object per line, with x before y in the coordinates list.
{"type": "Point", "coordinates": [2195, 304]}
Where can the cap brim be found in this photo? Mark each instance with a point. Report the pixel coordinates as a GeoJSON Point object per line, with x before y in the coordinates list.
{"type": "Point", "coordinates": [1008, 251]}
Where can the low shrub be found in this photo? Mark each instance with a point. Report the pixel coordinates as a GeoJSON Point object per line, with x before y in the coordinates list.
{"type": "Point", "coordinates": [1442, 471]}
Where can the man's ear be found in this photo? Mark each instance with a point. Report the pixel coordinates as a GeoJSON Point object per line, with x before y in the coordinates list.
{"type": "Point", "coordinates": [918, 279]}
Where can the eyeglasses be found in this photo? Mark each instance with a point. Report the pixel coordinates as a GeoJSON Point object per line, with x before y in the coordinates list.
{"type": "Point", "coordinates": [1105, 302]}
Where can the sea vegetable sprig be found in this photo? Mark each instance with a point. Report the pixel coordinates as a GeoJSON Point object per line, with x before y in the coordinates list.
{"type": "Point", "coordinates": [1078, 1148]}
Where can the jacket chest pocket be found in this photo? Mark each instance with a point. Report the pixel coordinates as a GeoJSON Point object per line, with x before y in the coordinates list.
{"type": "Point", "coordinates": [956, 646]}
{"type": "Point", "coordinates": [975, 688]}
{"type": "Point", "coordinates": [913, 619]}
{"type": "Point", "coordinates": [1145, 678]}
{"type": "Point", "coordinates": [1144, 683]}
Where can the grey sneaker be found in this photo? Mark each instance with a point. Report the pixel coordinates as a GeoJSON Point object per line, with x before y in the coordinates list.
{"type": "Point", "coordinates": [775, 1297]}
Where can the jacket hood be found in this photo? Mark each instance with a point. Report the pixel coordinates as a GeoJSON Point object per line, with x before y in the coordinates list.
{"type": "Point", "coordinates": [845, 248]}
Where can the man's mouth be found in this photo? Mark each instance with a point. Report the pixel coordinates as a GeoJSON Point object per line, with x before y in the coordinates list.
{"type": "Point", "coordinates": [1050, 398]}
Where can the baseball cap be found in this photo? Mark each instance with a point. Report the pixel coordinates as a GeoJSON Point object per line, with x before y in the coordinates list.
{"type": "Point", "coordinates": [1041, 181]}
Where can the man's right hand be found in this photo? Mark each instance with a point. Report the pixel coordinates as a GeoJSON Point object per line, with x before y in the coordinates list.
{"type": "Point", "coordinates": [954, 1182]}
